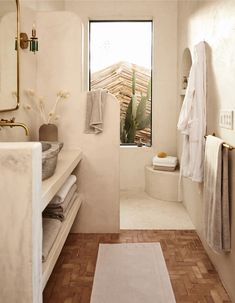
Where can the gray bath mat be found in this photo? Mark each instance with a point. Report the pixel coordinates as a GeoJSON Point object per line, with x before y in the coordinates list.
{"type": "Point", "coordinates": [131, 273]}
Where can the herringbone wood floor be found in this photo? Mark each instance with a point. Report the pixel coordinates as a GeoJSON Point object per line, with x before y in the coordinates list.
{"type": "Point", "coordinates": [193, 277]}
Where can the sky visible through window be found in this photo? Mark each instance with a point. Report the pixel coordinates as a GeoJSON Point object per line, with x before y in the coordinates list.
{"type": "Point", "coordinates": [112, 42]}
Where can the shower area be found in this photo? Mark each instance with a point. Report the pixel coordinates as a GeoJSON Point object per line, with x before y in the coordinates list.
{"type": "Point", "coordinates": [151, 198]}
{"type": "Point", "coordinates": [122, 62]}
{"type": "Point", "coordinates": [155, 203]}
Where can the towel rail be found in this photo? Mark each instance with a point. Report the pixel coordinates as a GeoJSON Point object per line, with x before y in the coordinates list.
{"type": "Point", "coordinates": [226, 145]}
{"type": "Point", "coordinates": [230, 147]}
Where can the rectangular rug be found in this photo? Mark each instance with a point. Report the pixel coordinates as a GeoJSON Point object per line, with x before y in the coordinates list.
{"type": "Point", "coordinates": [131, 273]}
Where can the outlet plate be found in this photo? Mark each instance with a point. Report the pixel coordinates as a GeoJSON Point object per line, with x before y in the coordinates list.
{"type": "Point", "coordinates": [226, 119]}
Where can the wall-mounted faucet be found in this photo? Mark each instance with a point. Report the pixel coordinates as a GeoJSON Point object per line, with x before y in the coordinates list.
{"type": "Point", "coordinates": [12, 123]}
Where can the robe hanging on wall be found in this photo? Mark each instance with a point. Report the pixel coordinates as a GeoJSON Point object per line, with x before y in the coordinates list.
{"type": "Point", "coordinates": [192, 118]}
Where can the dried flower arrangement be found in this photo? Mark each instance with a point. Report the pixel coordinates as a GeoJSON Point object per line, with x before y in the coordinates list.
{"type": "Point", "coordinates": [38, 105]}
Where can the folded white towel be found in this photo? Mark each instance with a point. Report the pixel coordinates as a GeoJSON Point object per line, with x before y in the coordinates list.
{"type": "Point", "coordinates": [62, 206]}
{"type": "Point", "coordinates": [58, 210]}
{"type": "Point", "coordinates": [167, 161]}
{"type": "Point", "coordinates": [165, 168]}
{"type": "Point", "coordinates": [95, 111]}
{"type": "Point", "coordinates": [62, 193]}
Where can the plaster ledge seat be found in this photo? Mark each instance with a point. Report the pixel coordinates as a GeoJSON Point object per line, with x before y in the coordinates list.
{"type": "Point", "coordinates": [162, 185]}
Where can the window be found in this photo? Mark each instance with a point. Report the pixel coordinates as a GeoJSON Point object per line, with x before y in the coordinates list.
{"type": "Point", "coordinates": [120, 62]}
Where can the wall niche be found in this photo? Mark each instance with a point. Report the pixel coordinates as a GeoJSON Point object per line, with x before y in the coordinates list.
{"type": "Point", "coordinates": [185, 69]}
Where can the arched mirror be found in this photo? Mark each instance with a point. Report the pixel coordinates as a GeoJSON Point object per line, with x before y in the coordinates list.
{"type": "Point", "coordinates": [9, 55]}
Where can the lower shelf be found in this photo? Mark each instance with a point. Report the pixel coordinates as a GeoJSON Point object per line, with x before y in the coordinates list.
{"type": "Point", "coordinates": [48, 266]}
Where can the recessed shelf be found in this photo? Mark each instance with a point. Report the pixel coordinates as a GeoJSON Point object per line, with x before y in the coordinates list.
{"type": "Point", "coordinates": [186, 64]}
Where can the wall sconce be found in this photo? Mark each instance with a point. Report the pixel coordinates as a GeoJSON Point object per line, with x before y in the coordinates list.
{"type": "Point", "coordinates": [32, 43]}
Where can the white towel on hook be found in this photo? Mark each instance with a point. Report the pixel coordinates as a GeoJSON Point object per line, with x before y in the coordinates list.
{"type": "Point", "coordinates": [216, 196]}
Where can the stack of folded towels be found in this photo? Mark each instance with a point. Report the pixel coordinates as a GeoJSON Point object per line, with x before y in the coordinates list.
{"type": "Point", "coordinates": [56, 212]}
{"type": "Point", "coordinates": [167, 163]}
{"type": "Point", "coordinates": [61, 203]}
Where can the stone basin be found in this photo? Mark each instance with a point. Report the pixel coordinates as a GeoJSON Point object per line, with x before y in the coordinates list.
{"type": "Point", "coordinates": [50, 151]}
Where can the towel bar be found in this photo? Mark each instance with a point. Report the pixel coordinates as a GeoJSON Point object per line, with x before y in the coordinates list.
{"type": "Point", "coordinates": [230, 147]}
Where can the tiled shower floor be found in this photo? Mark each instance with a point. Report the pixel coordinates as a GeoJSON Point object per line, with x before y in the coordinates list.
{"type": "Point", "coordinates": [140, 211]}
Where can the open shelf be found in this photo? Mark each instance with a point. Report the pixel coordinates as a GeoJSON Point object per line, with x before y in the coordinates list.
{"type": "Point", "coordinates": [67, 161]}
{"type": "Point", "coordinates": [54, 253]}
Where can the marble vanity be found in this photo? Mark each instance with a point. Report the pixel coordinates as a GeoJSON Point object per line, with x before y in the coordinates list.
{"type": "Point", "coordinates": [23, 198]}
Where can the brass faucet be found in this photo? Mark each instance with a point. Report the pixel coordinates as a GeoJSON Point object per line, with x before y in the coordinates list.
{"type": "Point", "coordinates": [12, 123]}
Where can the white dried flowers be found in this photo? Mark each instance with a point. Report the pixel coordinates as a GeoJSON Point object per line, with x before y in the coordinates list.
{"type": "Point", "coordinates": [38, 105]}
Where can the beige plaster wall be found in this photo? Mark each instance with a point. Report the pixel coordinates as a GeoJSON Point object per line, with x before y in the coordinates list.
{"type": "Point", "coordinates": [60, 68]}
{"type": "Point", "coordinates": [164, 15]}
{"type": "Point", "coordinates": [132, 166]}
{"type": "Point", "coordinates": [57, 66]}
{"type": "Point", "coordinates": [43, 5]}
{"type": "Point", "coordinates": [7, 7]}
{"type": "Point", "coordinates": [28, 72]}
{"type": "Point", "coordinates": [214, 22]}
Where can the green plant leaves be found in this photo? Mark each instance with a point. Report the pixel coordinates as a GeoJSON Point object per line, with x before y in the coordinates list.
{"type": "Point", "coordinates": [136, 118]}
{"type": "Point", "coordinates": [144, 123]}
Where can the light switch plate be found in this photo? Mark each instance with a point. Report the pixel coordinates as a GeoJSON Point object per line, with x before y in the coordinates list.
{"type": "Point", "coordinates": [226, 119]}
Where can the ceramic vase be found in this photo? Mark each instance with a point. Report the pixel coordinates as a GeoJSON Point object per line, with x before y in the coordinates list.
{"type": "Point", "coordinates": [48, 132]}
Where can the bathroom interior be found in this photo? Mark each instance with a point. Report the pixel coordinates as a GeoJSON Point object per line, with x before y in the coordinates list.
{"type": "Point", "coordinates": [121, 198]}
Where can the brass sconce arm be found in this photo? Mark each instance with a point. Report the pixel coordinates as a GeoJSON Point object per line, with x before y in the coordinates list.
{"type": "Point", "coordinates": [12, 123]}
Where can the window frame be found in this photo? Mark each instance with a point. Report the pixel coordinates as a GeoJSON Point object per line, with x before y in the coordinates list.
{"type": "Point", "coordinates": [151, 71]}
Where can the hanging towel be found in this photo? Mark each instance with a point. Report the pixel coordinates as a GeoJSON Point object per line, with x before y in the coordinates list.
{"type": "Point", "coordinates": [215, 196]}
{"type": "Point", "coordinates": [62, 193]}
{"type": "Point", "coordinates": [95, 111]}
{"type": "Point", "coordinates": [192, 118]}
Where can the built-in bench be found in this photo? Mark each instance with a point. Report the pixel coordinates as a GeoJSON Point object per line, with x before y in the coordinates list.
{"type": "Point", "coordinates": [162, 185]}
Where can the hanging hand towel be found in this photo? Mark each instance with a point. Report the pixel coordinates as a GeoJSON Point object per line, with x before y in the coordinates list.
{"type": "Point", "coordinates": [215, 196]}
{"type": "Point", "coordinates": [95, 111]}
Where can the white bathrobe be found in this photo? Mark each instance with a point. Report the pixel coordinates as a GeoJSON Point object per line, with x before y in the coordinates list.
{"type": "Point", "coordinates": [192, 119]}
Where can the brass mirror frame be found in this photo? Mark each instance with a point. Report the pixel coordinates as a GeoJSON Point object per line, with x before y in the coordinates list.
{"type": "Point", "coordinates": [18, 61]}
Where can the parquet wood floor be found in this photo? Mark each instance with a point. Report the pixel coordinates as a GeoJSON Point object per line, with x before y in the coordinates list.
{"type": "Point", "coordinates": [193, 277]}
